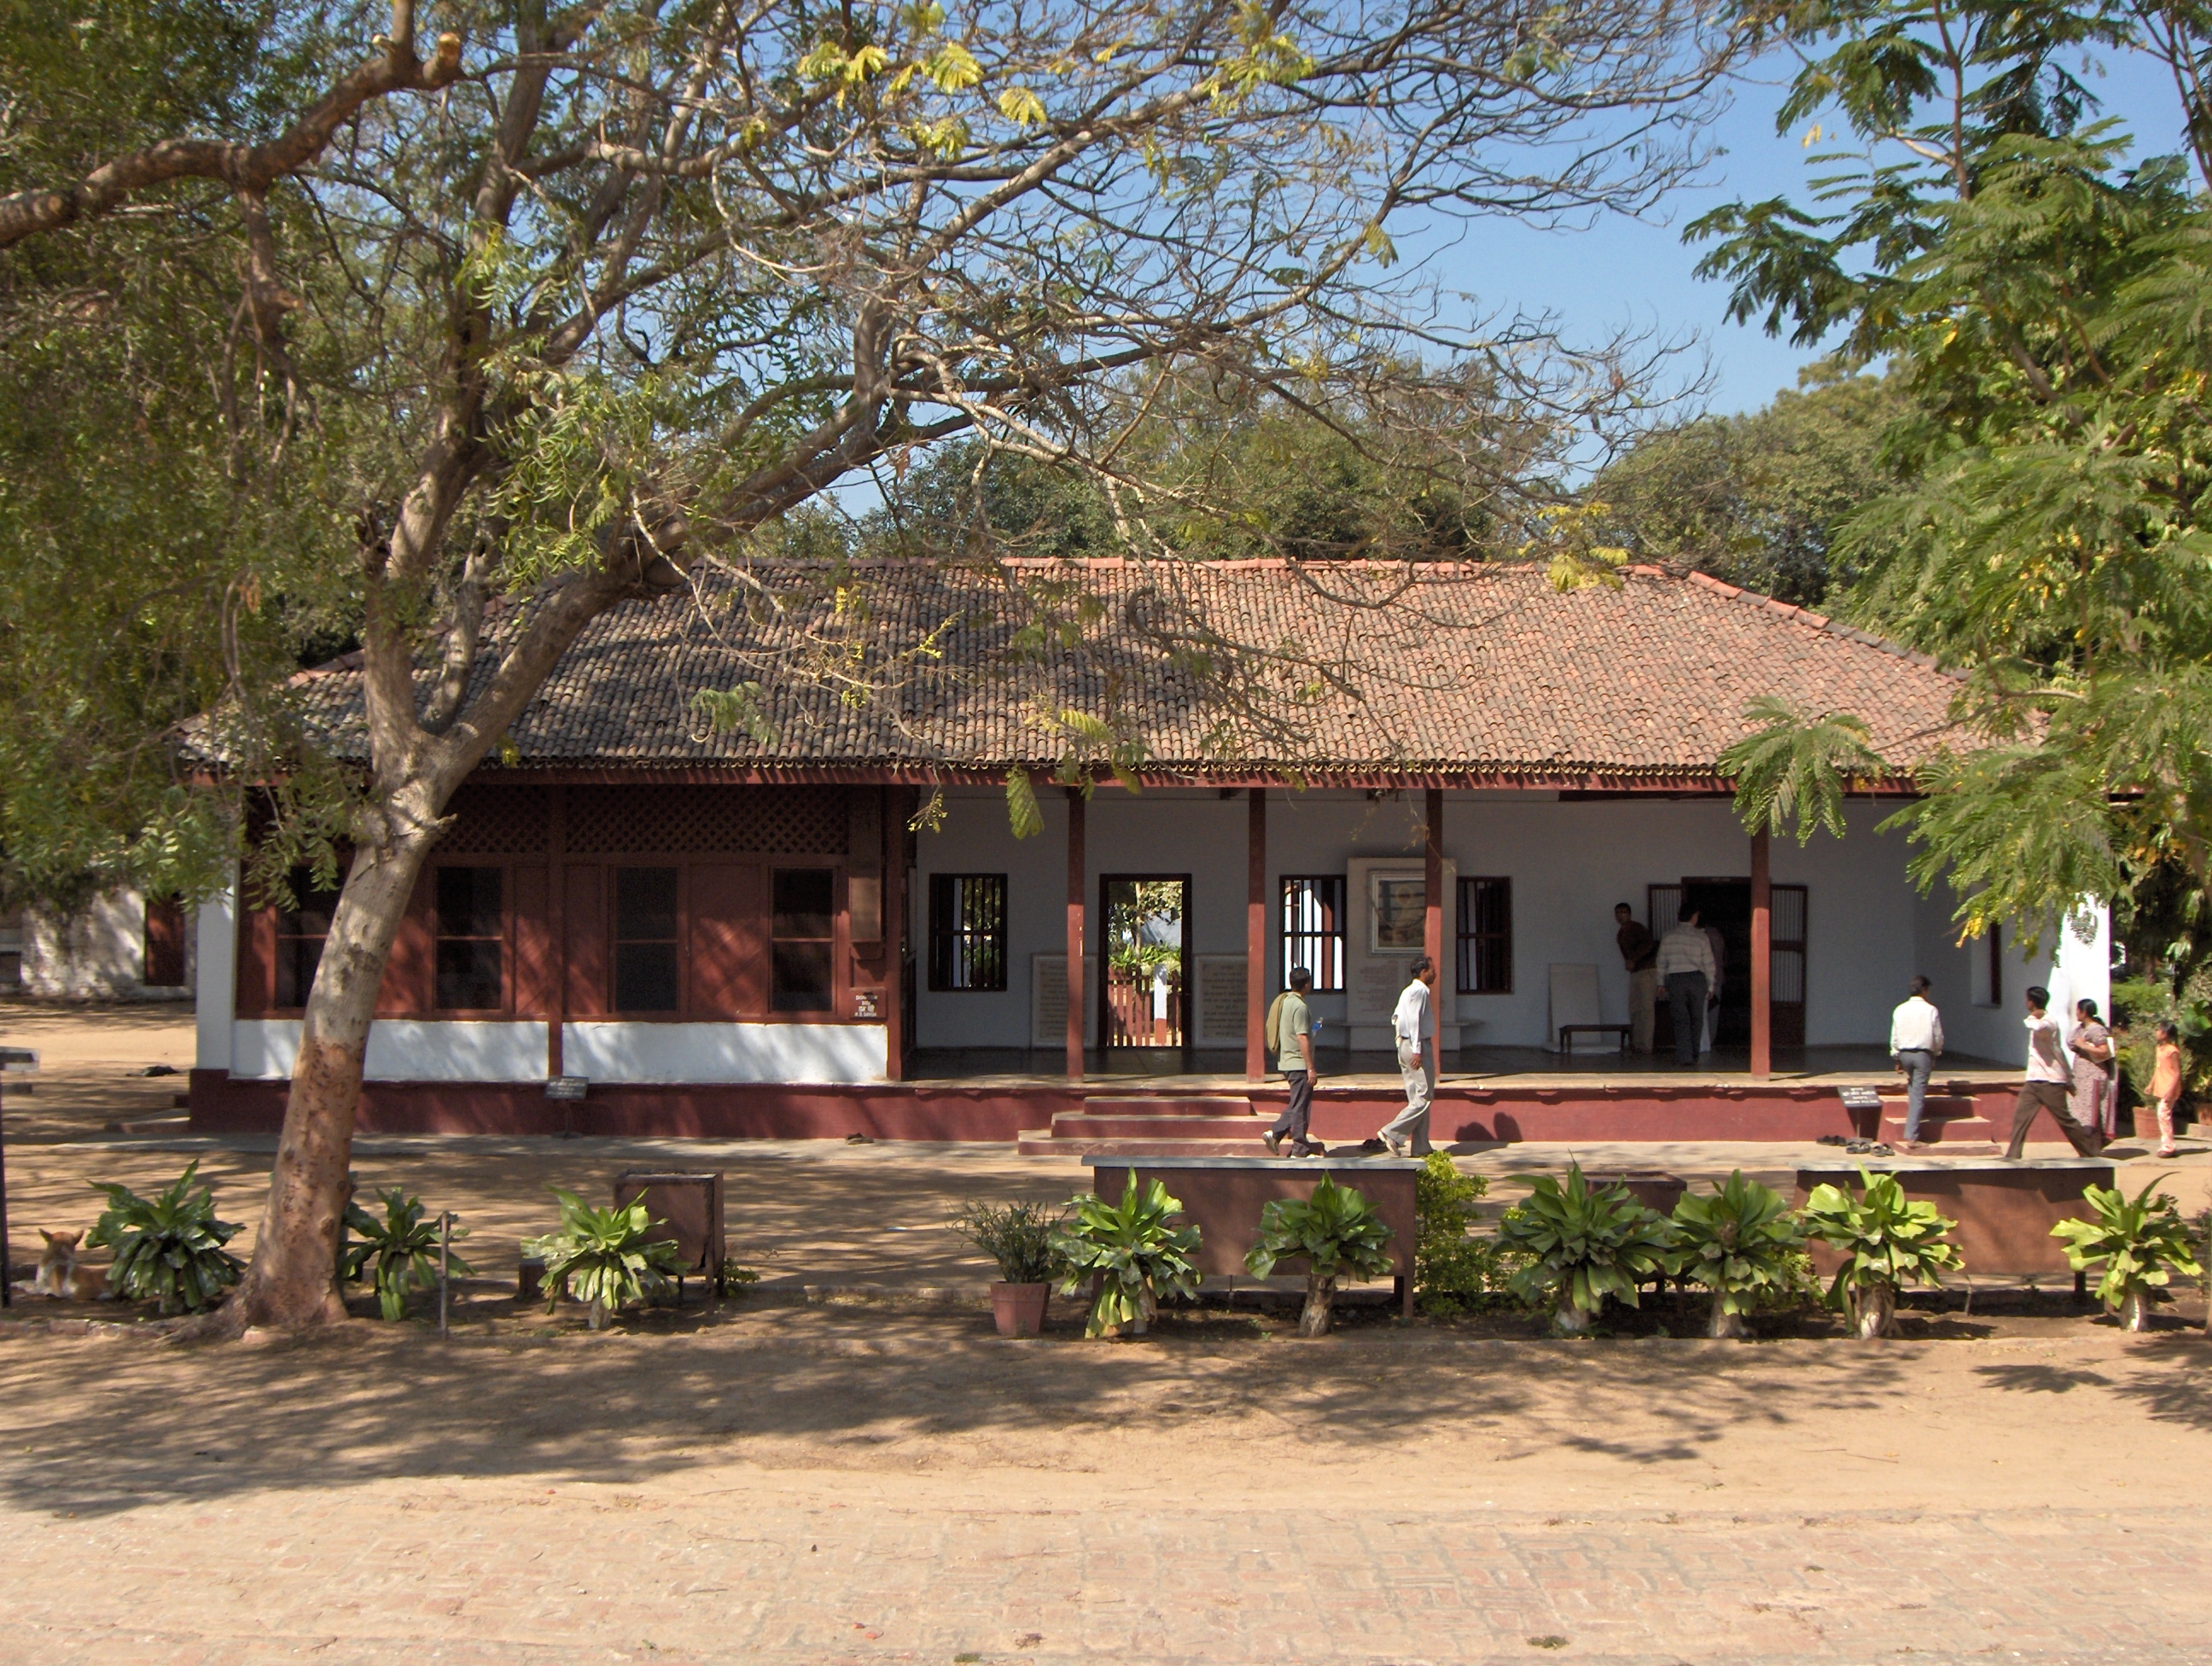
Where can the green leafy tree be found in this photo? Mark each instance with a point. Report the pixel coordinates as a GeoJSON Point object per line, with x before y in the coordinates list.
{"type": "Point", "coordinates": [1455, 1266]}
{"type": "Point", "coordinates": [168, 1247]}
{"type": "Point", "coordinates": [2037, 293]}
{"type": "Point", "coordinates": [398, 1254]}
{"type": "Point", "coordinates": [2135, 1245]}
{"type": "Point", "coordinates": [1886, 1241]}
{"type": "Point", "coordinates": [1757, 499]}
{"type": "Point", "coordinates": [604, 1258]}
{"type": "Point", "coordinates": [1336, 1232]}
{"type": "Point", "coordinates": [1584, 1243]}
{"type": "Point", "coordinates": [566, 302]}
{"type": "Point", "coordinates": [1133, 1250]}
{"type": "Point", "coordinates": [1741, 1242]}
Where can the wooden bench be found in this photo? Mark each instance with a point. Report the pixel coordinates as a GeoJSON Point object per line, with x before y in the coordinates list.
{"type": "Point", "coordinates": [1569, 1031]}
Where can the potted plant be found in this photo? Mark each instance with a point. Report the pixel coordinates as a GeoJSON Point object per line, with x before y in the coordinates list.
{"type": "Point", "coordinates": [1337, 1232]}
{"type": "Point", "coordinates": [168, 1247]}
{"type": "Point", "coordinates": [397, 1254]}
{"type": "Point", "coordinates": [1018, 1236]}
{"type": "Point", "coordinates": [1132, 1252]}
{"type": "Point", "coordinates": [1584, 1243]}
{"type": "Point", "coordinates": [2139, 1243]}
{"type": "Point", "coordinates": [1885, 1240]}
{"type": "Point", "coordinates": [605, 1258]}
{"type": "Point", "coordinates": [1738, 1241]}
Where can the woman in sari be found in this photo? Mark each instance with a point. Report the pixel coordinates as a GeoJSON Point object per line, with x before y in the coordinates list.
{"type": "Point", "coordinates": [2094, 1103]}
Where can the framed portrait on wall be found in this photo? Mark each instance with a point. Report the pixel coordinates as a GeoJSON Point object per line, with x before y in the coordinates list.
{"type": "Point", "coordinates": [1397, 913]}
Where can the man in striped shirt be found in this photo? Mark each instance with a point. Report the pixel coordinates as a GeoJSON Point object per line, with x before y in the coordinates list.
{"type": "Point", "coordinates": [1686, 967]}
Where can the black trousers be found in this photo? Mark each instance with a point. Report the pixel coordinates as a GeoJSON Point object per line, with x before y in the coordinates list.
{"type": "Point", "coordinates": [2051, 1096]}
{"type": "Point", "coordinates": [1297, 1114]}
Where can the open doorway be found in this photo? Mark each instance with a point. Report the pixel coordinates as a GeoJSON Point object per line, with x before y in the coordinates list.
{"type": "Point", "coordinates": [1144, 1000]}
{"type": "Point", "coordinates": [1725, 904]}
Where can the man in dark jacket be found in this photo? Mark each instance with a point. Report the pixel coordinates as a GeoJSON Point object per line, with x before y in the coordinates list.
{"type": "Point", "coordinates": [1640, 953]}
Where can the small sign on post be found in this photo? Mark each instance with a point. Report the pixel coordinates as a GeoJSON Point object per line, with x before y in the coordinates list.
{"type": "Point", "coordinates": [1864, 1105]}
{"type": "Point", "coordinates": [567, 1091]}
{"type": "Point", "coordinates": [14, 1061]}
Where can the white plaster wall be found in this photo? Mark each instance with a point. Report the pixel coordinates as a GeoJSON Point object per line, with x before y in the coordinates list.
{"type": "Point", "coordinates": [97, 953]}
{"type": "Point", "coordinates": [404, 1050]}
{"type": "Point", "coordinates": [1977, 1022]}
{"type": "Point", "coordinates": [214, 979]}
{"type": "Point", "coordinates": [1569, 863]}
{"type": "Point", "coordinates": [614, 1051]}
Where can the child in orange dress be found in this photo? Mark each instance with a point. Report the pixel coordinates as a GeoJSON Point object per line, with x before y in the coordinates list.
{"type": "Point", "coordinates": [2165, 1086]}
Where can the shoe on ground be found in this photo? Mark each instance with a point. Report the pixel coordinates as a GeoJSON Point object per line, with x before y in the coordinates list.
{"type": "Point", "coordinates": [1398, 1147]}
{"type": "Point", "coordinates": [2171, 1151]}
{"type": "Point", "coordinates": [1374, 1145]}
{"type": "Point", "coordinates": [1274, 1141]}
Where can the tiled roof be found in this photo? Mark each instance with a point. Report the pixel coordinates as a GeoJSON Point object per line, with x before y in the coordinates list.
{"type": "Point", "coordinates": [1343, 670]}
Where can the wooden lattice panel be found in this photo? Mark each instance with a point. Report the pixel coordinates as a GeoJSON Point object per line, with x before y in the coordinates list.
{"type": "Point", "coordinates": [499, 821]}
{"type": "Point", "coordinates": [779, 821]}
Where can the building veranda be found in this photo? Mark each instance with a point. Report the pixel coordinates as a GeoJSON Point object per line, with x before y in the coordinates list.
{"type": "Point", "coordinates": [820, 919]}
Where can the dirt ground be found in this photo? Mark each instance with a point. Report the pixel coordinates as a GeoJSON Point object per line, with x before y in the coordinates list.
{"type": "Point", "coordinates": [847, 1465]}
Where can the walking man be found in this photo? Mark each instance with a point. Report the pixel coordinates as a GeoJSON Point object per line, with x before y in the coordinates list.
{"type": "Point", "coordinates": [1414, 1025]}
{"type": "Point", "coordinates": [1640, 953]}
{"type": "Point", "coordinates": [1686, 967]}
{"type": "Point", "coordinates": [1915, 1041]}
{"type": "Point", "coordinates": [2050, 1082]}
{"type": "Point", "coordinates": [1294, 1058]}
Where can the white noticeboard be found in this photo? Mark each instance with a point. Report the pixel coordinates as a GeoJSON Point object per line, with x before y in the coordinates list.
{"type": "Point", "coordinates": [1049, 1000]}
{"type": "Point", "coordinates": [1218, 1003]}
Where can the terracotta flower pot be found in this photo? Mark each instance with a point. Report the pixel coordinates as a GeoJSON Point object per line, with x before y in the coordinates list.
{"type": "Point", "coordinates": [1019, 1308]}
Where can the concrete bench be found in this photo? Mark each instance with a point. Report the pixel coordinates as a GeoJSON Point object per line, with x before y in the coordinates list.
{"type": "Point", "coordinates": [1222, 1196]}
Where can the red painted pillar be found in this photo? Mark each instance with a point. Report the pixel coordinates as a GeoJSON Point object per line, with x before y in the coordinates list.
{"type": "Point", "coordinates": [1255, 936]}
{"type": "Point", "coordinates": [1432, 929]}
{"type": "Point", "coordinates": [894, 996]}
{"type": "Point", "coordinates": [1762, 961]}
{"type": "Point", "coordinates": [1076, 909]}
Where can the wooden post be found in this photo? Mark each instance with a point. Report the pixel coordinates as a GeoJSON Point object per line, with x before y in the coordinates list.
{"type": "Point", "coordinates": [1075, 907]}
{"type": "Point", "coordinates": [1762, 961]}
{"type": "Point", "coordinates": [1432, 929]}
{"type": "Point", "coordinates": [895, 912]}
{"type": "Point", "coordinates": [557, 927]}
{"type": "Point", "coordinates": [1255, 936]}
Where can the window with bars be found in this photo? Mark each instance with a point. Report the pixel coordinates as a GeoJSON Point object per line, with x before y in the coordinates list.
{"type": "Point", "coordinates": [301, 931]}
{"type": "Point", "coordinates": [802, 938]}
{"type": "Point", "coordinates": [968, 931]}
{"type": "Point", "coordinates": [1485, 936]}
{"type": "Point", "coordinates": [1313, 927]}
{"type": "Point", "coordinates": [647, 975]}
{"type": "Point", "coordinates": [472, 938]}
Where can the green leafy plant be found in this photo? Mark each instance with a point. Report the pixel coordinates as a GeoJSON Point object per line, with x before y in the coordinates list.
{"type": "Point", "coordinates": [1133, 1250]}
{"type": "Point", "coordinates": [1339, 1234]}
{"type": "Point", "coordinates": [605, 1258]}
{"type": "Point", "coordinates": [1739, 1242]}
{"type": "Point", "coordinates": [1584, 1242]}
{"type": "Point", "coordinates": [1455, 1266]}
{"type": "Point", "coordinates": [2139, 1243]}
{"type": "Point", "coordinates": [168, 1247]}
{"type": "Point", "coordinates": [1885, 1240]}
{"type": "Point", "coordinates": [397, 1254]}
{"type": "Point", "coordinates": [1018, 1236]}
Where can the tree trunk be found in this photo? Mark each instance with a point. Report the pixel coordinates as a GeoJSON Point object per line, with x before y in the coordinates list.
{"type": "Point", "coordinates": [595, 1314]}
{"type": "Point", "coordinates": [1568, 1319]}
{"type": "Point", "coordinates": [292, 1280]}
{"type": "Point", "coordinates": [1148, 1308]}
{"type": "Point", "coordinates": [2135, 1309]}
{"type": "Point", "coordinates": [1320, 1297]}
{"type": "Point", "coordinates": [1874, 1311]}
{"type": "Point", "coordinates": [1725, 1325]}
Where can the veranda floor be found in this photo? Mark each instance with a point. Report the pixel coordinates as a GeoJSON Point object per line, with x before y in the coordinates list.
{"type": "Point", "coordinates": [1197, 1070]}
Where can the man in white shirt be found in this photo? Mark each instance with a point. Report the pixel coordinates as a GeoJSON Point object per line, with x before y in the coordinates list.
{"type": "Point", "coordinates": [1915, 1041]}
{"type": "Point", "coordinates": [2050, 1082]}
{"type": "Point", "coordinates": [1414, 1025]}
{"type": "Point", "coordinates": [1686, 967]}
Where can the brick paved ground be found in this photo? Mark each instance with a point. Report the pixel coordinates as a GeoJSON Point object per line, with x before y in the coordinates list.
{"type": "Point", "coordinates": [831, 1485]}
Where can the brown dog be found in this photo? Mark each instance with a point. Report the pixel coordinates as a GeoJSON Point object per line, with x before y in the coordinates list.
{"type": "Point", "coordinates": [64, 1278]}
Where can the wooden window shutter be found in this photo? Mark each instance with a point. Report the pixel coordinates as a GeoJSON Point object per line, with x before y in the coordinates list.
{"type": "Point", "coordinates": [587, 940]}
{"type": "Point", "coordinates": [729, 940]}
{"type": "Point", "coordinates": [534, 959]}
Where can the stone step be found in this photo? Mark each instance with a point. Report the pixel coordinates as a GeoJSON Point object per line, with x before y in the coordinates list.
{"type": "Point", "coordinates": [1166, 1104]}
{"type": "Point", "coordinates": [1937, 1128]}
{"type": "Point", "coordinates": [1087, 1125]}
{"type": "Point", "coordinates": [1037, 1142]}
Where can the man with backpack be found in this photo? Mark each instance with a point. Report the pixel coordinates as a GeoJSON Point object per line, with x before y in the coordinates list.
{"type": "Point", "coordinates": [1290, 1038]}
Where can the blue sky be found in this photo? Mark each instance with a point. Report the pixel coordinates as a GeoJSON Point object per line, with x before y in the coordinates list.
{"type": "Point", "coordinates": [1621, 273]}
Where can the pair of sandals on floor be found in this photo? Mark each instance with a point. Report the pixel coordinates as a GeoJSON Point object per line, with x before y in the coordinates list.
{"type": "Point", "coordinates": [1314, 1148]}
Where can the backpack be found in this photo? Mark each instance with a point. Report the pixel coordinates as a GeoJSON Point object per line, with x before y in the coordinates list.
{"type": "Point", "coordinates": [1273, 1030]}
